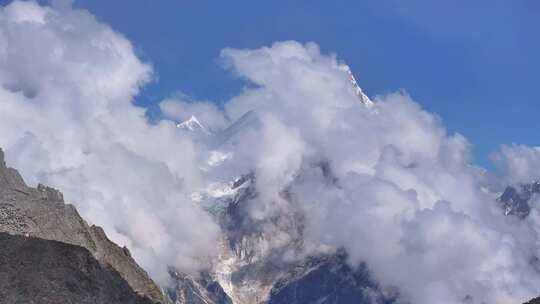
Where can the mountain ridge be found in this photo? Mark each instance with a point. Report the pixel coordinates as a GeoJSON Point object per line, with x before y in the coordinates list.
{"type": "Point", "coordinates": [35, 270]}
{"type": "Point", "coordinates": [42, 213]}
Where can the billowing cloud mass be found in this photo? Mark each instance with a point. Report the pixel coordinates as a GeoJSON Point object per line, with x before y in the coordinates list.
{"type": "Point", "coordinates": [67, 119]}
{"type": "Point", "coordinates": [518, 163]}
{"type": "Point", "coordinates": [397, 191]}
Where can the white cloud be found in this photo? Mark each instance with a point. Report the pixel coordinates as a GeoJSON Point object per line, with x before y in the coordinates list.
{"type": "Point", "coordinates": [407, 201]}
{"type": "Point", "coordinates": [398, 192]}
{"type": "Point", "coordinates": [67, 84]}
{"type": "Point", "coordinates": [180, 108]}
{"type": "Point", "coordinates": [518, 163]}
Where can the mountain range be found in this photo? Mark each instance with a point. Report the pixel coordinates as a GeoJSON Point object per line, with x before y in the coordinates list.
{"type": "Point", "coordinates": [50, 254]}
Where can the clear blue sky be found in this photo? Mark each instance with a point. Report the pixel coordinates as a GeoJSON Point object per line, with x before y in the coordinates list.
{"type": "Point", "coordinates": [475, 63]}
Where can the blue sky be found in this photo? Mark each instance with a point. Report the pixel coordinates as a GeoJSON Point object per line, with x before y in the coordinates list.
{"type": "Point", "coordinates": [474, 63]}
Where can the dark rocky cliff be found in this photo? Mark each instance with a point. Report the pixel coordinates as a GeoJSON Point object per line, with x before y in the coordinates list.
{"type": "Point", "coordinates": [247, 277]}
{"type": "Point", "coordinates": [534, 301]}
{"type": "Point", "coordinates": [41, 213]}
{"type": "Point", "coordinates": [516, 200]}
{"type": "Point", "coordinates": [328, 280]}
{"type": "Point", "coordinates": [34, 270]}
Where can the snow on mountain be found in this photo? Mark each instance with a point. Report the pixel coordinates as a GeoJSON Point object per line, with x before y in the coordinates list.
{"type": "Point", "coordinates": [251, 120]}
{"type": "Point", "coordinates": [250, 270]}
{"type": "Point", "coordinates": [251, 260]}
{"type": "Point", "coordinates": [357, 90]}
{"type": "Point", "coordinates": [193, 124]}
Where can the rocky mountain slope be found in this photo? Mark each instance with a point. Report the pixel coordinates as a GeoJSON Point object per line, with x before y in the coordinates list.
{"type": "Point", "coordinates": [517, 200]}
{"type": "Point", "coordinates": [49, 254]}
{"type": "Point", "coordinates": [245, 273]}
{"type": "Point", "coordinates": [34, 270]}
{"type": "Point", "coordinates": [534, 301]}
{"type": "Point", "coordinates": [42, 214]}
{"type": "Point", "coordinates": [327, 279]}
{"type": "Point", "coordinates": [64, 259]}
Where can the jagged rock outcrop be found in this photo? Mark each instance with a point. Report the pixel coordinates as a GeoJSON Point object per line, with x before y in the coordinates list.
{"type": "Point", "coordinates": [41, 213]}
{"type": "Point", "coordinates": [534, 301]}
{"type": "Point", "coordinates": [200, 290]}
{"type": "Point", "coordinates": [325, 279]}
{"type": "Point", "coordinates": [34, 270]}
{"type": "Point", "coordinates": [328, 279]}
{"type": "Point", "coordinates": [516, 201]}
{"type": "Point", "coordinates": [249, 273]}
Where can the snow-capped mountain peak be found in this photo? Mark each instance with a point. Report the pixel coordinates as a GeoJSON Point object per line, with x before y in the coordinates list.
{"type": "Point", "coordinates": [357, 90]}
{"type": "Point", "coordinates": [193, 124]}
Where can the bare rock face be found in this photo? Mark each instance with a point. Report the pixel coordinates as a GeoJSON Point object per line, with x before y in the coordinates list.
{"type": "Point", "coordinates": [34, 270]}
{"type": "Point", "coordinates": [41, 213]}
{"type": "Point", "coordinates": [200, 290]}
{"type": "Point", "coordinates": [534, 301]}
{"type": "Point", "coordinates": [121, 260]}
{"type": "Point", "coordinates": [328, 279]}
{"type": "Point", "coordinates": [247, 273]}
{"type": "Point", "coordinates": [516, 200]}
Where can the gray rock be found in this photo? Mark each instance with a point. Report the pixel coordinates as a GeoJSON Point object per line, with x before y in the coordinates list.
{"type": "Point", "coordinates": [516, 201]}
{"type": "Point", "coordinates": [248, 277]}
{"type": "Point", "coordinates": [34, 270]}
{"type": "Point", "coordinates": [534, 301]}
{"type": "Point", "coordinates": [41, 213]}
{"type": "Point", "coordinates": [196, 290]}
{"type": "Point", "coordinates": [328, 280]}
